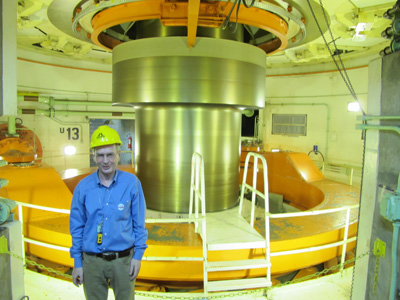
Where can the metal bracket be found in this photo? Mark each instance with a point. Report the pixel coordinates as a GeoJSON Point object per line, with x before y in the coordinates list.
{"type": "Point", "coordinates": [3, 245]}
{"type": "Point", "coordinates": [379, 248]}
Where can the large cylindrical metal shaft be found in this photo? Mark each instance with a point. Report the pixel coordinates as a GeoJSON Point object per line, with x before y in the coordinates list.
{"type": "Point", "coordinates": [188, 100]}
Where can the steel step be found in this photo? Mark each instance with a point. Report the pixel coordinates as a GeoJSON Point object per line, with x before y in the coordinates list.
{"type": "Point", "coordinates": [235, 246]}
{"type": "Point", "coordinates": [213, 266]}
{"type": "Point", "coordinates": [237, 284]}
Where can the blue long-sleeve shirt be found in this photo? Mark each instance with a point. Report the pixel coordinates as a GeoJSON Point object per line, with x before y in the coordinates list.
{"type": "Point", "coordinates": [118, 211]}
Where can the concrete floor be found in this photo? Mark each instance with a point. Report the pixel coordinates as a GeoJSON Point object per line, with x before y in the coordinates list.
{"type": "Point", "coordinates": [332, 287]}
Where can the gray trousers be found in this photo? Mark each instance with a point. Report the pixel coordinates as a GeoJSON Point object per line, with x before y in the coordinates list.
{"type": "Point", "coordinates": [97, 272]}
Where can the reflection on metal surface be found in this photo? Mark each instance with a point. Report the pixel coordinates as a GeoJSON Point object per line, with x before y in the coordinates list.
{"type": "Point", "coordinates": [154, 28]}
{"type": "Point", "coordinates": [188, 100]}
{"type": "Point", "coordinates": [166, 137]}
{"type": "Point", "coordinates": [188, 76]}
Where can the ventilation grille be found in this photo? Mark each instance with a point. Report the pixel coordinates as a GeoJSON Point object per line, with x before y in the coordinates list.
{"type": "Point", "coordinates": [285, 124]}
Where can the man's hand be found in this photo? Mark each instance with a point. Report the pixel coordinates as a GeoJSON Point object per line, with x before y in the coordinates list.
{"type": "Point", "coordinates": [77, 276]}
{"type": "Point", "coordinates": [135, 268]}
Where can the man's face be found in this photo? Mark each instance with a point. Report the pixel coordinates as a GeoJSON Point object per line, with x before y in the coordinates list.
{"type": "Point", "coordinates": [106, 158]}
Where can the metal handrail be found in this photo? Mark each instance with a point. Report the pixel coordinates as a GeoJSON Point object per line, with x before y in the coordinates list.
{"type": "Point", "coordinates": [269, 215]}
{"type": "Point", "coordinates": [265, 196]}
{"type": "Point", "coordinates": [31, 241]}
{"type": "Point", "coordinates": [335, 168]}
{"type": "Point", "coordinates": [197, 193]}
{"type": "Point", "coordinates": [343, 242]}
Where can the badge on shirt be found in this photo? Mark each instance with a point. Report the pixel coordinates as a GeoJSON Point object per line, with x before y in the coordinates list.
{"type": "Point", "coordinates": [121, 206]}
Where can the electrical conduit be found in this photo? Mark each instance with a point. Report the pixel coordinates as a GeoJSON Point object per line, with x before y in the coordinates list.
{"type": "Point", "coordinates": [396, 226]}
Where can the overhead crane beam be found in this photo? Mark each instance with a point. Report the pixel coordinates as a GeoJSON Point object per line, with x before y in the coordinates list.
{"type": "Point", "coordinates": [193, 17]}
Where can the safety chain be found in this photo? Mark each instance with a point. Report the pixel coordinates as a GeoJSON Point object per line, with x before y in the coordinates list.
{"type": "Point", "coordinates": [225, 295]}
{"type": "Point", "coordinates": [216, 296]}
{"type": "Point", "coordinates": [40, 266]}
{"type": "Point", "coordinates": [263, 290]}
{"type": "Point", "coordinates": [323, 272]}
{"type": "Point", "coordinates": [376, 274]}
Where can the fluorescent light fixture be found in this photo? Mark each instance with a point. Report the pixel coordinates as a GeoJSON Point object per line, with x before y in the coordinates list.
{"type": "Point", "coordinates": [353, 106]}
{"type": "Point", "coordinates": [69, 150]}
{"type": "Point", "coordinates": [275, 150]}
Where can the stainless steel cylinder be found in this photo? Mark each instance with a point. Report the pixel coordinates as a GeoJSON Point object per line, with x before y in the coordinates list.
{"type": "Point", "coordinates": [166, 137]}
{"type": "Point", "coordinates": [188, 100]}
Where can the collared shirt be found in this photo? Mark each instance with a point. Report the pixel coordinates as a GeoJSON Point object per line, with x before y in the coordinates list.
{"type": "Point", "coordinates": [119, 210]}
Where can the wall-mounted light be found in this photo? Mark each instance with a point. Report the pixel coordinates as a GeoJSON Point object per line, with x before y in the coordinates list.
{"type": "Point", "coordinates": [69, 150]}
{"type": "Point", "coordinates": [248, 113]}
{"type": "Point", "coordinates": [353, 106]}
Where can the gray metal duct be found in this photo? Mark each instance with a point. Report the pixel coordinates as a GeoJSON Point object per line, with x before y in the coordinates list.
{"type": "Point", "coordinates": [188, 100]}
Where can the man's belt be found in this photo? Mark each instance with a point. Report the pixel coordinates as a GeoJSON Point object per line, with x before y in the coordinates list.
{"type": "Point", "coordinates": [111, 255]}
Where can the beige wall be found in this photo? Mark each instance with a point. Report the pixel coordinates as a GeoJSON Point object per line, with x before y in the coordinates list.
{"type": "Point", "coordinates": [324, 98]}
{"type": "Point", "coordinates": [63, 84]}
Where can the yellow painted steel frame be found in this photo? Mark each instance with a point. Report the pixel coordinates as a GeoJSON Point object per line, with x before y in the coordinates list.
{"type": "Point", "coordinates": [193, 17]}
{"type": "Point", "coordinates": [190, 14]}
{"type": "Point", "coordinates": [41, 185]}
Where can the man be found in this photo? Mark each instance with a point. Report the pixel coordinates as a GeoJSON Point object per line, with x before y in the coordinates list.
{"type": "Point", "coordinates": [107, 224]}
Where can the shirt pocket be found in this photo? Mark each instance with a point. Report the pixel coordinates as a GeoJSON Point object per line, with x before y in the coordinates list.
{"type": "Point", "coordinates": [123, 209]}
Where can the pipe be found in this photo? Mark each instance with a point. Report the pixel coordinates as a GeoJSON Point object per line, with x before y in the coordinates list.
{"type": "Point", "coordinates": [51, 101]}
{"type": "Point", "coordinates": [328, 114]}
{"type": "Point", "coordinates": [52, 113]}
{"type": "Point", "coordinates": [398, 185]}
{"type": "Point", "coordinates": [366, 117]}
{"type": "Point", "coordinates": [392, 295]}
{"type": "Point", "coordinates": [378, 127]}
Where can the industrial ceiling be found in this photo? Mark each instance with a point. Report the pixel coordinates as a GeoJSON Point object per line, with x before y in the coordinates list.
{"type": "Point", "coordinates": [85, 31]}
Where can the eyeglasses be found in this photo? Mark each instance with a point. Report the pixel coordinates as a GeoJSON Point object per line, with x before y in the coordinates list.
{"type": "Point", "coordinates": [101, 157]}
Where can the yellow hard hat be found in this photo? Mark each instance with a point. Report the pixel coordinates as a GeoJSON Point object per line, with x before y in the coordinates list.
{"type": "Point", "coordinates": [104, 136]}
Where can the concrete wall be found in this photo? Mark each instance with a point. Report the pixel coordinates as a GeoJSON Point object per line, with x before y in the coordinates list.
{"type": "Point", "coordinates": [381, 171]}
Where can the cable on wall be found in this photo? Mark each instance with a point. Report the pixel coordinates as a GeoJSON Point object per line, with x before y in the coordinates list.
{"type": "Point", "coordinates": [342, 69]}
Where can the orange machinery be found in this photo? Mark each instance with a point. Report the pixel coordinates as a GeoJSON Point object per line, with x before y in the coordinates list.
{"type": "Point", "coordinates": [292, 175]}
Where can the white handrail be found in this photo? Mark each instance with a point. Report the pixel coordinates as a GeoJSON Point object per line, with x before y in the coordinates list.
{"type": "Point", "coordinates": [312, 249]}
{"type": "Point", "coordinates": [268, 215]}
{"type": "Point", "coordinates": [46, 208]}
{"type": "Point", "coordinates": [197, 192]}
{"type": "Point", "coordinates": [180, 220]}
{"type": "Point", "coordinates": [47, 245]}
{"type": "Point", "coordinates": [343, 242]}
{"type": "Point", "coordinates": [264, 195]}
{"type": "Point", "coordinates": [312, 212]}
{"type": "Point", "coordinates": [31, 241]}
